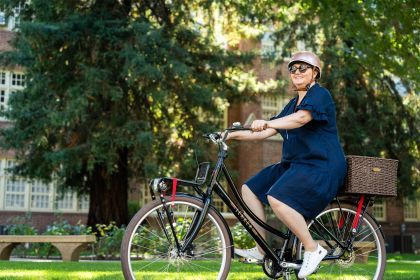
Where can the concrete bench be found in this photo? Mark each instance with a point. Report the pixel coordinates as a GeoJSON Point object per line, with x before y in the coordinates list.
{"type": "Point", "coordinates": [69, 246]}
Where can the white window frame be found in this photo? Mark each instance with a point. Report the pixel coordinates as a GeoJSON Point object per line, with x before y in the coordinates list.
{"type": "Point", "coordinates": [49, 196]}
{"type": "Point", "coordinates": [16, 17]}
{"type": "Point", "coordinates": [415, 208]}
{"type": "Point", "coordinates": [3, 19]}
{"type": "Point", "coordinates": [380, 206]}
{"type": "Point", "coordinates": [83, 203]}
{"type": "Point", "coordinates": [59, 198]}
{"type": "Point", "coordinates": [28, 193]}
{"type": "Point", "coordinates": [19, 78]}
{"type": "Point", "coordinates": [3, 78]}
{"type": "Point", "coordinates": [20, 193]}
{"type": "Point", "coordinates": [271, 105]}
{"type": "Point", "coordinates": [4, 104]}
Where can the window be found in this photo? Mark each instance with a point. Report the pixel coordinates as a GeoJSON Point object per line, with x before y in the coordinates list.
{"type": "Point", "coordinates": [267, 46]}
{"type": "Point", "coordinates": [18, 80]}
{"type": "Point", "coordinates": [411, 210]}
{"type": "Point", "coordinates": [15, 193]}
{"type": "Point", "coordinates": [379, 210]}
{"type": "Point", "coordinates": [272, 105]}
{"type": "Point", "coordinates": [83, 203]}
{"type": "Point", "coordinates": [2, 18]}
{"type": "Point", "coordinates": [65, 202]}
{"type": "Point", "coordinates": [40, 195]}
{"type": "Point", "coordinates": [2, 78]}
{"type": "Point", "coordinates": [16, 14]}
{"type": "Point", "coordinates": [2, 99]}
{"type": "Point", "coordinates": [10, 164]}
{"type": "Point", "coordinates": [220, 205]}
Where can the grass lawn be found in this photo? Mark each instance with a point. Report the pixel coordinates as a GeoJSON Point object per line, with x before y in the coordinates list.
{"type": "Point", "coordinates": [399, 267]}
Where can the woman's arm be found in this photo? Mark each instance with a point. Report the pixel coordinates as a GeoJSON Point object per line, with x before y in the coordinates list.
{"type": "Point", "coordinates": [262, 129]}
{"type": "Point", "coordinates": [295, 120]}
{"type": "Point", "coordinates": [251, 135]}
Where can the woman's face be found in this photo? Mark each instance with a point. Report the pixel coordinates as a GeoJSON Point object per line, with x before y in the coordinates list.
{"type": "Point", "coordinates": [299, 79]}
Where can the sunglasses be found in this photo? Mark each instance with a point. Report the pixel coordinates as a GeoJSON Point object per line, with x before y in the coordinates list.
{"type": "Point", "coordinates": [302, 68]}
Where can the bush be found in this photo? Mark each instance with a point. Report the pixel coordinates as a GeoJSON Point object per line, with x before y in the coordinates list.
{"type": "Point", "coordinates": [21, 225]}
{"type": "Point", "coordinates": [60, 227]}
{"type": "Point", "coordinates": [107, 247]}
{"type": "Point", "coordinates": [241, 238]}
{"type": "Point", "coordinates": [133, 208]}
{"type": "Point", "coordinates": [109, 243]}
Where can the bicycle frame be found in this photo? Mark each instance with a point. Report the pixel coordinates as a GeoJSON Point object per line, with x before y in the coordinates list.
{"type": "Point", "coordinates": [215, 186]}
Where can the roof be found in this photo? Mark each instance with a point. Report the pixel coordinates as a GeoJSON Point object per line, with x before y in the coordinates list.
{"type": "Point", "coordinates": [5, 38]}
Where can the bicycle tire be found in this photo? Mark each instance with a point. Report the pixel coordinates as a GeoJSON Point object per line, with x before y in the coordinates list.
{"type": "Point", "coordinates": [146, 217]}
{"type": "Point", "coordinates": [368, 257]}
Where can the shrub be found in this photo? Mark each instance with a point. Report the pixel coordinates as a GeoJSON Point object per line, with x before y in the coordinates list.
{"type": "Point", "coordinates": [241, 238]}
{"type": "Point", "coordinates": [60, 227]}
{"type": "Point", "coordinates": [109, 243]}
{"type": "Point", "coordinates": [133, 208]}
{"type": "Point", "coordinates": [21, 225]}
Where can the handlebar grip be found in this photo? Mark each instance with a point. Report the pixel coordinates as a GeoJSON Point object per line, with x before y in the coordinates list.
{"type": "Point", "coordinates": [214, 134]}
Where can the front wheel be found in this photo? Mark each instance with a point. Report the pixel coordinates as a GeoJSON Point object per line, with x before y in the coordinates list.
{"type": "Point", "coordinates": [365, 260]}
{"type": "Point", "coordinates": [149, 249]}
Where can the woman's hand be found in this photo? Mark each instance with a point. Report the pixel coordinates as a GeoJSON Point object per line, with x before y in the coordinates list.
{"type": "Point", "coordinates": [259, 125]}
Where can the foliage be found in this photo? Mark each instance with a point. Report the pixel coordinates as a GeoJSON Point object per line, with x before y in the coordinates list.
{"type": "Point", "coordinates": [241, 238]}
{"type": "Point", "coordinates": [109, 238]}
{"type": "Point", "coordinates": [63, 227]}
{"type": "Point", "coordinates": [133, 208]}
{"type": "Point", "coordinates": [371, 56]}
{"type": "Point", "coordinates": [21, 225]}
{"type": "Point", "coordinates": [117, 88]}
{"type": "Point", "coordinates": [109, 241]}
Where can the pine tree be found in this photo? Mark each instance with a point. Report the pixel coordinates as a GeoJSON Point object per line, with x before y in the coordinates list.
{"type": "Point", "coordinates": [116, 90]}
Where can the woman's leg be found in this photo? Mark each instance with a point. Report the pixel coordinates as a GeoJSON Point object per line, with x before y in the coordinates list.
{"type": "Point", "coordinates": [294, 221]}
{"type": "Point", "coordinates": [254, 203]}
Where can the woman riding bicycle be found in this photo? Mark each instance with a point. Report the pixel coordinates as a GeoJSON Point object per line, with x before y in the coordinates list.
{"type": "Point", "coordinates": [313, 165]}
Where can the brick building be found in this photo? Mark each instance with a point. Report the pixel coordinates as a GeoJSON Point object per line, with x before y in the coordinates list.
{"type": "Point", "coordinates": [19, 196]}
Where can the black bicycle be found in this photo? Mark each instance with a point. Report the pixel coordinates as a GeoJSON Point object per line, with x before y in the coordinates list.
{"type": "Point", "coordinates": [184, 235]}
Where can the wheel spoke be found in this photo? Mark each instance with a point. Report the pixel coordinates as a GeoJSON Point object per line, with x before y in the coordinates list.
{"type": "Point", "coordinates": [146, 239]}
{"type": "Point", "coordinates": [368, 245]}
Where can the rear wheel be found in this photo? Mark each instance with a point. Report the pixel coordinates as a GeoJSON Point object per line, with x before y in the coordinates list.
{"type": "Point", "coordinates": [149, 250]}
{"type": "Point", "coordinates": [367, 258]}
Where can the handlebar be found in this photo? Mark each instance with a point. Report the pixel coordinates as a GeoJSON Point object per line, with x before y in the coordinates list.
{"type": "Point", "coordinates": [215, 137]}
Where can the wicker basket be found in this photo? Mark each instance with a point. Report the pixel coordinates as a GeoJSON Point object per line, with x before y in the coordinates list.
{"type": "Point", "coordinates": [371, 175]}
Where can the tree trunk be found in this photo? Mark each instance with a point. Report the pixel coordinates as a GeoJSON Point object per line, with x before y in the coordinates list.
{"type": "Point", "coordinates": [109, 194]}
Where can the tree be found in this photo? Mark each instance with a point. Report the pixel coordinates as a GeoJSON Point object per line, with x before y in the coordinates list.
{"type": "Point", "coordinates": [371, 57]}
{"type": "Point", "coordinates": [115, 89]}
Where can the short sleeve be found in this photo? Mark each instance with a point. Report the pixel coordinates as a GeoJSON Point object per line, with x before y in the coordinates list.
{"type": "Point", "coordinates": [317, 101]}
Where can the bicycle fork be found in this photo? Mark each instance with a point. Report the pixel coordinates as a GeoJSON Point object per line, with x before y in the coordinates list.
{"type": "Point", "coordinates": [193, 229]}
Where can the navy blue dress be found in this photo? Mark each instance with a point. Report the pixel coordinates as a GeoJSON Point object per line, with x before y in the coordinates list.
{"type": "Point", "coordinates": [313, 166]}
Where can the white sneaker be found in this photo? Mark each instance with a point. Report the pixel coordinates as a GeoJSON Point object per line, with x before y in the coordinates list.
{"type": "Point", "coordinates": [311, 261]}
{"type": "Point", "coordinates": [250, 255]}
